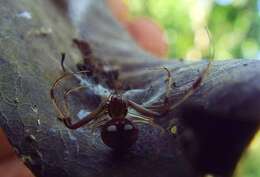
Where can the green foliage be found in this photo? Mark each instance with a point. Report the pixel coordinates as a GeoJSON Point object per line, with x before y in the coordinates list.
{"type": "Point", "coordinates": [249, 165]}
{"type": "Point", "coordinates": [234, 25]}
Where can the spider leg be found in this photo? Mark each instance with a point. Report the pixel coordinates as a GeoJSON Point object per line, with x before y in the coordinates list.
{"type": "Point", "coordinates": [99, 112]}
{"type": "Point", "coordinates": [62, 77]}
{"type": "Point", "coordinates": [169, 81]}
{"type": "Point", "coordinates": [146, 120]}
{"type": "Point", "coordinates": [156, 110]}
{"type": "Point", "coordinates": [96, 124]}
{"type": "Point", "coordinates": [54, 101]}
{"type": "Point", "coordinates": [200, 79]}
{"type": "Point", "coordinates": [67, 93]}
{"type": "Point", "coordinates": [165, 107]}
{"type": "Point", "coordinates": [194, 86]}
{"type": "Point", "coordinates": [95, 115]}
{"type": "Point", "coordinates": [142, 110]}
{"type": "Point", "coordinates": [139, 117]}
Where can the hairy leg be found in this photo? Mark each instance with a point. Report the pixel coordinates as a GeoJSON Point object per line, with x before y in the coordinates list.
{"type": "Point", "coordinates": [146, 120]}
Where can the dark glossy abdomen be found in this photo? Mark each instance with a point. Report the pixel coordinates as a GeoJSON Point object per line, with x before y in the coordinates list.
{"type": "Point", "coordinates": [119, 134]}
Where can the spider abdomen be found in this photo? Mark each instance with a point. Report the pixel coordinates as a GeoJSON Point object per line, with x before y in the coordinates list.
{"type": "Point", "coordinates": [119, 134]}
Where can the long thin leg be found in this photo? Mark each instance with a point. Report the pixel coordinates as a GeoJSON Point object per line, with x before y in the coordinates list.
{"type": "Point", "coordinates": [99, 112]}
{"type": "Point", "coordinates": [169, 81]}
{"type": "Point", "coordinates": [166, 106]}
{"type": "Point", "coordinates": [160, 110]}
{"type": "Point", "coordinates": [67, 93]}
{"type": "Point", "coordinates": [155, 110]}
{"type": "Point", "coordinates": [65, 75]}
{"type": "Point", "coordinates": [144, 118]}
{"type": "Point", "coordinates": [147, 120]}
{"type": "Point", "coordinates": [193, 88]}
{"type": "Point", "coordinates": [142, 109]}
{"type": "Point", "coordinates": [98, 123]}
{"type": "Point", "coordinates": [95, 115]}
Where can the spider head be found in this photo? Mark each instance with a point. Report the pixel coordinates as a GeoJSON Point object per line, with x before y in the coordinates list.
{"type": "Point", "coordinates": [117, 107]}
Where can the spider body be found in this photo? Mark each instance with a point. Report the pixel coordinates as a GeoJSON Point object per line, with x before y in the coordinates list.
{"type": "Point", "coordinates": [117, 124]}
{"type": "Point", "coordinates": [118, 132]}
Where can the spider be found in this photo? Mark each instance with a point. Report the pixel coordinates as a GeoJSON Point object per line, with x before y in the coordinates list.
{"type": "Point", "coordinates": [117, 130]}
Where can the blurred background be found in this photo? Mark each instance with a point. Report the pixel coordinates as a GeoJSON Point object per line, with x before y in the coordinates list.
{"type": "Point", "coordinates": [177, 29]}
{"type": "Point", "coordinates": [234, 24]}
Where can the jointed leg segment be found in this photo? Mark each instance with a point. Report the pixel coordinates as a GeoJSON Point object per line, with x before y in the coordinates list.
{"type": "Point", "coordinates": [146, 120]}
{"type": "Point", "coordinates": [99, 112]}
{"type": "Point", "coordinates": [55, 84]}
{"type": "Point", "coordinates": [193, 88]}
{"type": "Point", "coordinates": [160, 110]}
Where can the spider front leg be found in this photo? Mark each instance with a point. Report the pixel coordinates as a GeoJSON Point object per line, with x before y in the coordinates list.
{"type": "Point", "coordinates": [55, 84]}
{"type": "Point", "coordinates": [95, 115]}
{"type": "Point", "coordinates": [67, 93]}
{"type": "Point", "coordinates": [99, 112]}
{"type": "Point", "coordinates": [166, 107]}
{"type": "Point", "coordinates": [156, 111]}
{"type": "Point", "coordinates": [196, 84]}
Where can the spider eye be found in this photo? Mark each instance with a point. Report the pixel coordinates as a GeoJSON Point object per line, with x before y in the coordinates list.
{"type": "Point", "coordinates": [128, 127]}
{"type": "Point", "coordinates": [111, 128]}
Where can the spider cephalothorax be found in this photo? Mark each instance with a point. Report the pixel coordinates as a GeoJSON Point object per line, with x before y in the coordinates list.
{"type": "Point", "coordinates": [116, 101]}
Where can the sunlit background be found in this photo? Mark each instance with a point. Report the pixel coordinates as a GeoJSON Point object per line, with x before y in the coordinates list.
{"type": "Point", "coordinates": [234, 24]}
{"type": "Point", "coordinates": [235, 29]}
